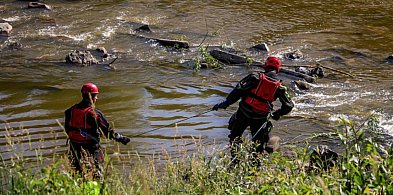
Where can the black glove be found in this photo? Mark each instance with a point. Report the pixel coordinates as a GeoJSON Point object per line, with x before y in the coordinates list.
{"type": "Point", "coordinates": [221, 105]}
{"type": "Point", "coordinates": [275, 116]}
{"type": "Point", "coordinates": [122, 139]}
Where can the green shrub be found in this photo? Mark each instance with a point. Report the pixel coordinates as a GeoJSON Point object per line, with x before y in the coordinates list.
{"type": "Point", "coordinates": [365, 168]}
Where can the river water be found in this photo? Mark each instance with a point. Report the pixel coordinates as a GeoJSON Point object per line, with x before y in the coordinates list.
{"type": "Point", "coordinates": [152, 87]}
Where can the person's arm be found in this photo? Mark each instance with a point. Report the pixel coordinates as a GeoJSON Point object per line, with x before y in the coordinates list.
{"type": "Point", "coordinates": [239, 91]}
{"type": "Point", "coordinates": [103, 124]}
{"type": "Point", "coordinates": [108, 132]}
{"type": "Point", "coordinates": [286, 103]}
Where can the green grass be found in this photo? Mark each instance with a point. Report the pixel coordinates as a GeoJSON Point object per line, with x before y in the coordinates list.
{"type": "Point", "coordinates": [365, 168]}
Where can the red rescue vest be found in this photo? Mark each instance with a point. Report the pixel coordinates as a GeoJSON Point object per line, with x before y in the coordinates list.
{"type": "Point", "coordinates": [262, 96]}
{"type": "Point", "coordinates": [81, 131]}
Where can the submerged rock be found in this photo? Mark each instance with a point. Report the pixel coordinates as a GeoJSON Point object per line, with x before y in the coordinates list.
{"type": "Point", "coordinates": [102, 51]}
{"type": "Point", "coordinates": [14, 46]}
{"type": "Point", "coordinates": [302, 85]}
{"type": "Point", "coordinates": [390, 59]}
{"type": "Point", "coordinates": [318, 72]}
{"type": "Point", "coordinates": [143, 28]}
{"type": "Point", "coordinates": [5, 29]}
{"type": "Point", "coordinates": [38, 5]}
{"type": "Point", "coordinates": [84, 58]}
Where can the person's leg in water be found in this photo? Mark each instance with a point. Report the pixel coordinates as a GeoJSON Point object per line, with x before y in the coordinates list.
{"type": "Point", "coordinates": [237, 125]}
{"type": "Point", "coordinates": [260, 131]}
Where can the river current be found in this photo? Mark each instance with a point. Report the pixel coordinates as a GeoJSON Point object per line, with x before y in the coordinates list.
{"type": "Point", "coordinates": [152, 86]}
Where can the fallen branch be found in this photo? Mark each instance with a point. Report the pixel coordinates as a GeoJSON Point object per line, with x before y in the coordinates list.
{"type": "Point", "coordinates": [113, 61]}
{"type": "Point", "coordinates": [207, 32]}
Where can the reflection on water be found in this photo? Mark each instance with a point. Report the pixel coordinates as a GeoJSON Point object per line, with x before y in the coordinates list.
{"type": "Point", "coordinates": [151, 88]}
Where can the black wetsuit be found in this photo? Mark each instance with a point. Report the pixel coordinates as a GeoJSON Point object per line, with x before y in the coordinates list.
{"type": "Point", "coordinates": [246, 116]}
{"type": "Point", "coordinates": [99, 125]}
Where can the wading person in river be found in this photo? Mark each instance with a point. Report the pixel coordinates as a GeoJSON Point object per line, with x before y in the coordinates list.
{"type": "Point", "coordinates": [257, 92]}
{"type": "Point", "coordinates": [84, 124]}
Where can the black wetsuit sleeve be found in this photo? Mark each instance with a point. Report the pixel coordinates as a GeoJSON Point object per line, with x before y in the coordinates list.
{"type": "Point", "coordinates": [286, 102]}
{"type": "Point", "coordinates": [103, 125]}
{"type": "Point", "coordinates": [242, 88]}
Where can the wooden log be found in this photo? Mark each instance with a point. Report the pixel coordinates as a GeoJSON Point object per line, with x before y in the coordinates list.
{"type": "Point", "coordinates": [173, 43]}
{"type": "Point", "coordinates": [227, 57]}
{"type": "Point", "coordinates": [168, 42]}
{"type": "Point", "coordinates": [309, 79]}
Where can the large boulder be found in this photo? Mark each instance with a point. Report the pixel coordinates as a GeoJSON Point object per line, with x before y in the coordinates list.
{"type": "Point", "coordinates": [83, 58]}
{"type": "Point", "coordinates": [5, 29]}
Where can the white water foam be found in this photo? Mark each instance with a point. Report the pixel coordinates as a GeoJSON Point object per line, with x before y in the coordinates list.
{"type": "Point", "coordinates": [14, 18]}
{"type": "Point", "coordinates": [52, 32]}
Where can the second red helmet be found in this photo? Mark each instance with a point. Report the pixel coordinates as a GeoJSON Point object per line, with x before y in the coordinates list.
{"type": "Point", "coordinates": [89, 88]}
{"type": "Point", "coordinates": [273, 63]}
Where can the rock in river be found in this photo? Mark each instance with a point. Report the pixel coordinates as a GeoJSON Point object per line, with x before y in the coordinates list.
{"type": "Point", "coordinates": [83, 58]}
{"type": "Point", "coordinates": [38, 5]}
{"type": "Point", "coordinates": [5, 29]}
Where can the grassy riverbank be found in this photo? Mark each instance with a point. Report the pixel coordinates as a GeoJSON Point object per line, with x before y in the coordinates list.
{"type": "Point", "coordinates": [365, 168]}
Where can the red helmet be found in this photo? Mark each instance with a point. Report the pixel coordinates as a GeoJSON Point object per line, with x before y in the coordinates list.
{"type": "Point", "coordinates": [273, 63]}
{"type": "Point", "coordinates": [89, 88]}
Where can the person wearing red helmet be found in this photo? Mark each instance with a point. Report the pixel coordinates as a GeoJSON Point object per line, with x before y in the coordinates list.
{"type": "Point", "coordinates": [84, 124]}
{"type": "Point", "coordinates": [257, 92]}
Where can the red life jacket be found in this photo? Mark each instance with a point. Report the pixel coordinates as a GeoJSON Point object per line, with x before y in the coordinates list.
{"type": "Point", "coordinates": [81, 131]}
{"type": "Point", "coordinates": [261, 97]}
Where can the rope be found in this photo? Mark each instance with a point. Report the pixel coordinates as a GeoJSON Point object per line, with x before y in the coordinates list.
{"type": "Point", "coordinates": [262, 126]}
{"type": "Point", "coordinates": [155, 129]}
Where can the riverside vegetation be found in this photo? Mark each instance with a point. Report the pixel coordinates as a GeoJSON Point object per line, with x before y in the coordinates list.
{"type": "Point", "coordinates": [365, 167]}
